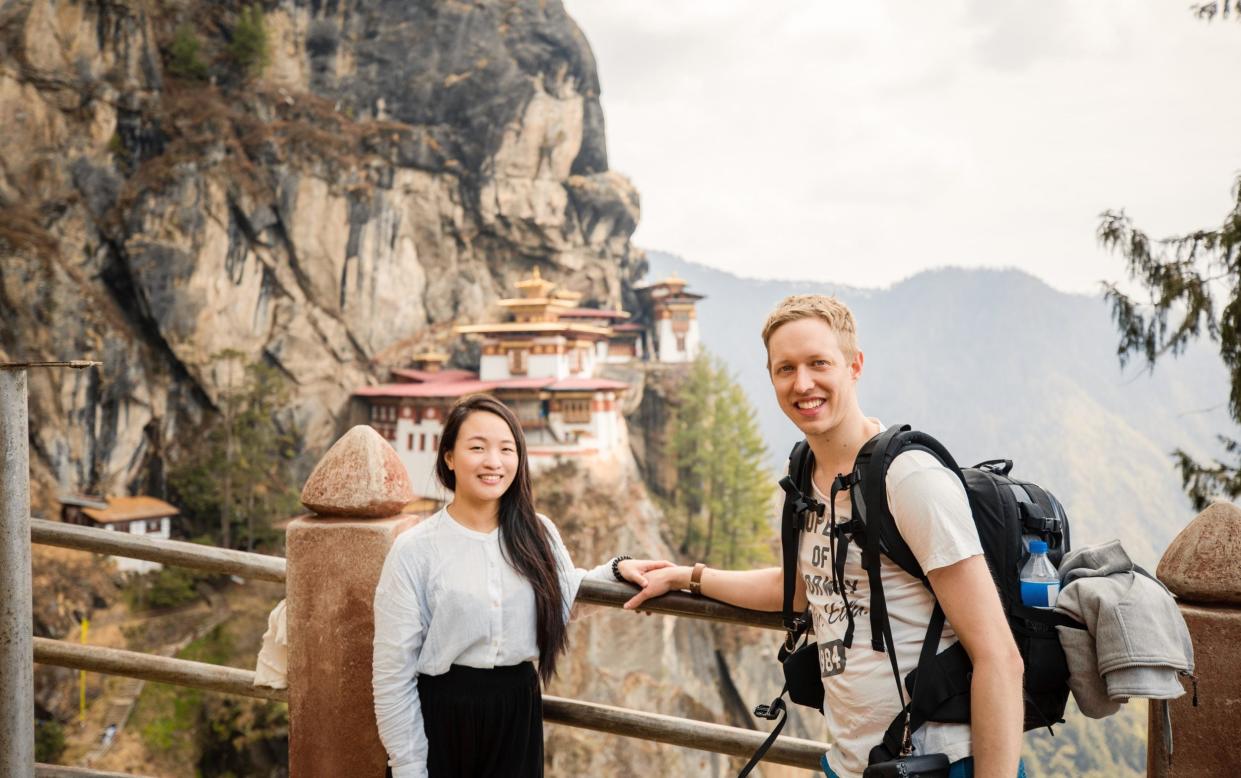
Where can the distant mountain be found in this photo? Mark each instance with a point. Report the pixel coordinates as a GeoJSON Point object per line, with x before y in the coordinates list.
{"type": "Point", "coordinates": [995, 363]}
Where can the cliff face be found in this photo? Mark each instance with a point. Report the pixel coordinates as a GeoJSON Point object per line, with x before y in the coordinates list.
{"type": "Point", "coordinates": [394, 170]}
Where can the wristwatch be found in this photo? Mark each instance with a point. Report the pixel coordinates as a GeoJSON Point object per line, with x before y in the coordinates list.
{"type": "Point", "coordinates": [695, 579]}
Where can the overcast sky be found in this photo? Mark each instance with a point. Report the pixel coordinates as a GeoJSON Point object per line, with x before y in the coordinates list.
{"type": "Point", "coordinates": [860, 142]}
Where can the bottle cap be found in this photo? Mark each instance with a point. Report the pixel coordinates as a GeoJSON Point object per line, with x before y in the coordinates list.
{"type": "Point", "coordinates": [1038, 547]}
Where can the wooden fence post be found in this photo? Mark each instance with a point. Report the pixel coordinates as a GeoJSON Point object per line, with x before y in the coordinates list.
{"type": "Point", "coordinates": [357, 492]}
{"type": "Point", "coordinates": [1202, 567]}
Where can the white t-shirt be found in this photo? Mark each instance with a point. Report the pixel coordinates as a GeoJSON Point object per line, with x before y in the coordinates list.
{"type": "Point", "coordinates": [933, 516]}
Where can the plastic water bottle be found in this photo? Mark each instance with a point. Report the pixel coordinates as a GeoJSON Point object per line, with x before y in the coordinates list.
{"type": "Point", "coordinates": [1040, 583]}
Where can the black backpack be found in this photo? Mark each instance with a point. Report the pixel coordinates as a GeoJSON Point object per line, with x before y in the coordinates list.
{"type": "Point", "coordinates": [1004, 509]}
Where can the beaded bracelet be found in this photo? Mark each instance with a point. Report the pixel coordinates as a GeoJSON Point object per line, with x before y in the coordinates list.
{"type": "Point", "coordinates": [616, 573]}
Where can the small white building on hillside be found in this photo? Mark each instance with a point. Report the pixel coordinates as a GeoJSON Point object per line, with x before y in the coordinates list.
{"type": "Point", "coordinates": [139, 515]}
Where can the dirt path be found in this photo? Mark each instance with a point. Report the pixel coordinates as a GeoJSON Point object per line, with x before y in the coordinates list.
{"type": "Point", "coordinates": [170, 632]}
{"type": "Point", "coordinates": [125, 693]}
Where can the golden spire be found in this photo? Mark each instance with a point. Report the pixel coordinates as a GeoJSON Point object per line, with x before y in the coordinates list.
{"type": "Point", "coordinates": [535, 286]}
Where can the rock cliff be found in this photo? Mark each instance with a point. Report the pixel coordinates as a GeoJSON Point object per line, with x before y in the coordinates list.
{"type": "Point", "coordinates": [393, 170]}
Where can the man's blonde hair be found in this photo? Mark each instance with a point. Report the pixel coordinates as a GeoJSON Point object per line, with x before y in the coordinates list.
{"type": "Point", "coordinates": [828, 309]}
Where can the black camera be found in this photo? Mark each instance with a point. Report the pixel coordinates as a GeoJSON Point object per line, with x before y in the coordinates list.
{"type": "Point", "coordinates": [925, 766]}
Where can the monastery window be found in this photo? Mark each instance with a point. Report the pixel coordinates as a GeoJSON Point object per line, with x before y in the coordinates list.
{"type": "Point", "coordinates": [153, 525]}
{"type": "Point", "coordinates": [517, 361]}
{"type": "Point", "coordinates": [575, 411]}
{"type": "Point", "coordinates": [435, 442]}
{"type": "Point", "coordinates": [680, 341]}
{"type": "Point", "coordinates": [409, 442]}
{"type": "Point", "coordinates": [422, 441]}
{"type": "Point", "coordinates": [575, 361]}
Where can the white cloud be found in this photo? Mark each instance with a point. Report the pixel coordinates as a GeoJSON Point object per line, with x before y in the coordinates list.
{"type": "Point", "coordinates": [861, 142]}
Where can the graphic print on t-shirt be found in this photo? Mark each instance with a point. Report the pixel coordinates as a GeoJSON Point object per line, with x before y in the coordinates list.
{"type": "Point", "coordinates": [827, 603]}
{"type": "Point", "coordinates": [860, 698]}
{"type": "Point", "coordinates": [831, 658]}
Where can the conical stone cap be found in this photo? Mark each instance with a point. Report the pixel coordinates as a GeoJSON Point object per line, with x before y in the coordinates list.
{"type": "Point", "coordinates": [1203, 562]}
{"type": "Point", "coordinates": [360, 476]}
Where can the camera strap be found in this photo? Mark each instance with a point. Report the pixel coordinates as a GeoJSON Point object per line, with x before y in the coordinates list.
{"type": "Point", "coordinates": [777, 708]}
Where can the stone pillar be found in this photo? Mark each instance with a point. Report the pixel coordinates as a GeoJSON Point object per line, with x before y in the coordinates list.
{"type": "Point", "coordinates": [1202, 567]}
{"type": "Point", "coordinates": [335, 556]}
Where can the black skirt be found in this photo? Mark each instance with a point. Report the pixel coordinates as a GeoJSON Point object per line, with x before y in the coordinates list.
{"type": "Point", "coordinates": [483, 723]}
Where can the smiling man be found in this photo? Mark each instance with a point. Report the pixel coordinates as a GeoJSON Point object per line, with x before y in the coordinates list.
{"type": "Point", "coordinates": [815, 364]}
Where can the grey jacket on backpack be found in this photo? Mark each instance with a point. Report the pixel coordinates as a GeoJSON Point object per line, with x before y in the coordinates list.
{"type": "Point", "coordinates": [1135, 643]}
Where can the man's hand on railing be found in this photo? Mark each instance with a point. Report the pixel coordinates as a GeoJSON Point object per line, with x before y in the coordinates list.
{"type": "Point", "coordinates": [668, 577]}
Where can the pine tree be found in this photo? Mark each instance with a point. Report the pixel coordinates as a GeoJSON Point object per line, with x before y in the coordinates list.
{"type": "Point", "coordinates": [1181, 275]}
{"type": "Point", "coordinates": [723, 497]}
{"type": "Point", "coordinates": [239, 470]}
{"type": "Point", "coordinates": [691, 450]}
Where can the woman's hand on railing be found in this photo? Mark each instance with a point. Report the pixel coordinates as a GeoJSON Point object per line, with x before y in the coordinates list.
{"type": "Point", "coordinates": [635, 570]}
{"type": "Point", "coordinates": [666, 578]}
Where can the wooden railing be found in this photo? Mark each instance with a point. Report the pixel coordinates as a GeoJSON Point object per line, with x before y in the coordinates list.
{"type": "Point", "coordinates": [718, 738]}
{"type": "Point", "coordinates": [170, 552]}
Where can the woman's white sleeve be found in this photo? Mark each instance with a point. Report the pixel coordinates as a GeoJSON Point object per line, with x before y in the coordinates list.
{"type": "Point", "coordinates": [570, 576]}
{"type": "Point", "coordinates": [399, 632]}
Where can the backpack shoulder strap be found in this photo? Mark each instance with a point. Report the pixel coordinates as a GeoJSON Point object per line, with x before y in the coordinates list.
{"type": "Point", "coordinates": [882, 534]}
{"type": "Point", "coordinates": [871, 497]}
{"type": "Point", "coordinates": [798, 501]}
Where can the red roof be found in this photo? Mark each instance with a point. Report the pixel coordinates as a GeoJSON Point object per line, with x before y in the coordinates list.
{"type": "Point", "coordinates": [586, 384]}
{"type": "Point", "coordinates": [431, 389]}
{"type": "Point", "coordinates": [629, 326]}
{"type": "Point", "coordinates": [428, 376]}
{"type": "Point", "coordinates": [524, 383]}
{"type": "Point", "coordinates": [451, 388]}
{"type": "Point", "coordinates": [592, 313]}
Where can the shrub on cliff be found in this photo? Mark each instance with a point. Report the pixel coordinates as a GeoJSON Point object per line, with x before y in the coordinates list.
{"type": "Point", "coordinates": [168, 587]}
{"type": "Point", "coordinates": [185, 57]}
{"type": "Point", "coordinates": [49, 740]}
{"type": "Point", "coordinates": [248, 49]}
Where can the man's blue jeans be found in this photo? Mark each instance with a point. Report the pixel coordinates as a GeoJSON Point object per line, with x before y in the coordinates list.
{"type": "Point", "coordinates": [961, 769]}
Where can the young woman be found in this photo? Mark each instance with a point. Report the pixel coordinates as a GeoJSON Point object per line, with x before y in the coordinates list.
{"type": "Point", "coordinates": [467, 600]}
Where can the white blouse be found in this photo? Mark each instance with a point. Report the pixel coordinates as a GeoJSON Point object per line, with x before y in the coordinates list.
{"type": "Point", "coordinates": [447, 596]}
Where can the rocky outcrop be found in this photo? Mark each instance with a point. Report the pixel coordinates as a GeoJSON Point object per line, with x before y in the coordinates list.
{"type": "Point", "coordinates": [395, 169]}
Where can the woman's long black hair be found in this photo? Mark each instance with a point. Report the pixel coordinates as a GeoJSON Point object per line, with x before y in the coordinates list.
{"type": "Point", "coordinates": [523, 538]}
